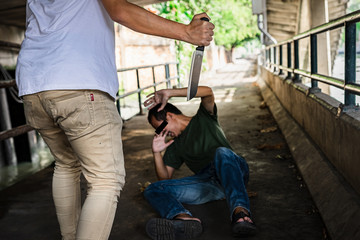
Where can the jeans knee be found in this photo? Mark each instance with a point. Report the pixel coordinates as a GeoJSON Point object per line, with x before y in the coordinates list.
{"type": "Point", "coordinates": [149, 190]}
{"type": "Point", "coordinates": [222, 151]}
{"type": "Point", "coordinates": [223, 155]}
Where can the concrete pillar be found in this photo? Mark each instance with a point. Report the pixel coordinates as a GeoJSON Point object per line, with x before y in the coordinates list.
{"type": "Point", "coordinates": [314, 13]}
{"type": "Point", "coordinates": [319, 15]}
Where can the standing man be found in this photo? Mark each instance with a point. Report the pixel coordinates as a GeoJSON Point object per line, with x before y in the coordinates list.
{"type": "Point", "coordinates": [66, 74]}
{"type": "Point", "coordinates": [200, 143]}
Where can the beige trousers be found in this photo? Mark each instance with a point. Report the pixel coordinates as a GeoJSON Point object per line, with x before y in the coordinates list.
{"type": "Point", "coordinates": [83, 131]}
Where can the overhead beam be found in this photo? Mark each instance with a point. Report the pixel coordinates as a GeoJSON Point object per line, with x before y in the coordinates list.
{"type": "Point", "coordinates": [13, 12]}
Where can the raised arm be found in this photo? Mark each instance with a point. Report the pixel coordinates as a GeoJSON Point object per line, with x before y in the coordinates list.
{"type": "Point", "coordinates": [162, 96]}
{"type": "Point", "coordinates": [198, 32]}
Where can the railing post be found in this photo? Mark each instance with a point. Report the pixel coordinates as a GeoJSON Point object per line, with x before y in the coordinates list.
{"type": "Point", "coordinates": [167, 76]}
{"type": "Point", "coordinates": [274, 58]}
{"type": "Point", "coordinates": [296, 60]}
{"type": "Point", "coordinates": [178, 74]}
{"type": "Point", "coordinates": [154, 80]}
{"type": "Point", "coordinates": [289, 58]}
{"type": "Point", "coordinates": [118, 104]}
{"type": "Point", "coordinates": [266, 58]}
{"type": "Point", "coordinates": [280, 59]}
{"type": "Point", "coordinates": [314, 62]}
{"type": "Point", "coordinates": [139, 93]}
{"type": "Point", "coordinates": [350, 60]}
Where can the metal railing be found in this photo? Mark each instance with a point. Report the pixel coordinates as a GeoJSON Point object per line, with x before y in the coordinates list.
{"type": "Point", "coordinates": [168, 78]}
{"type": "Point", "coordinates": [349, 84]}
{"type": "Point", "coordinates": [16, 131]}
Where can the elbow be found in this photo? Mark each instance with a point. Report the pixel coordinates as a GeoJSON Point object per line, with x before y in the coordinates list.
{"type": "Point", "coordinates": [163, 178]}
{"type": "Point", "coordinates": [116, 15]}
{"type": "Point", "coordinates": [117, 10]}
{"type": "Point", "coordinates": [209, 92]}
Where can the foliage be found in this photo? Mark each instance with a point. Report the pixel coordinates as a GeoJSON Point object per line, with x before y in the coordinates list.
{"type": "Point", "coordinates": [353, 5]}
{"type": "Point", "coordinates": [233, 19]}
{"type": "Point", "coordinates": [234, 23]}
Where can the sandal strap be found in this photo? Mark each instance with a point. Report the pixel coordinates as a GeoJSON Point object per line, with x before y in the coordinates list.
{"type": "Point", "coordinates": [239, 215]}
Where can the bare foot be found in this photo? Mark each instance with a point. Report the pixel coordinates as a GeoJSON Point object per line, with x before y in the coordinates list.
{"type": "Point", "coordinates": [240, 209]}
{"type": "Point", "coordinates": [186, 217]}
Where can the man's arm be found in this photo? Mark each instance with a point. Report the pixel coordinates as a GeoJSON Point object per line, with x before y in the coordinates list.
{"type": "Point", "coordinates": [198, 32]}
{"type": "Point", "coordinates": [163, 171]}
{"type": "Point", "coordinates": [162, 96]}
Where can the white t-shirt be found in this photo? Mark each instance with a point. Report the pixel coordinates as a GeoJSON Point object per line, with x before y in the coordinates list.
{"type": "Point", "coordinates": [68, 45]}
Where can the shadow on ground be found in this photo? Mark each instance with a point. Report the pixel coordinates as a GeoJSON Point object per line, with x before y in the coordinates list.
{"type": "Point", "coordinates": [280, 202]}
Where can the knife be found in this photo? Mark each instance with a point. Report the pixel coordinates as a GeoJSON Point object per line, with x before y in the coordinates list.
{"type": "Point", "coordinates": [195, 69]}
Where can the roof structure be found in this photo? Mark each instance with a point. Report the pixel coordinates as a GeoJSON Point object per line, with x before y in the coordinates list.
{"type": "Point", "coordinates": [12, 12]}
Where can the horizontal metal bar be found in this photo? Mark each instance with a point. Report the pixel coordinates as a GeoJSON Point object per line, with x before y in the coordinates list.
{"type": "Point", "coordinates": [336, 82]}
{"type": "Point", "coordinates": [15, 132]}
{"type": "Point", "coordinates": [302, 73]}
{"type": "Point", "coordinates": [172, 78]}
{"type": "Point", "coordinates": [335, 23]}
{"type": "Point", "coordinates": [4, 44]}
{"type": "Point", "coordinates": [285, 68]}
{"type": "Point", "coordinates": [353, 87]}
{"type": "Point", "coordinates": [142, 67]}
{"type": "Point", "coordinates": [141, 89]}
{"type": "Point", "coordinates": [7, 83]}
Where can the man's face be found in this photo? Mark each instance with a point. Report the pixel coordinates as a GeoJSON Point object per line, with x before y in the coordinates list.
{"type": "Point", "coordinates": [172, 126]}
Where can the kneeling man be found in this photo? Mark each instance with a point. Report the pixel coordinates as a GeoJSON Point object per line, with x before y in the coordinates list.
{"type": "Point", "coordinates": [200, 143]}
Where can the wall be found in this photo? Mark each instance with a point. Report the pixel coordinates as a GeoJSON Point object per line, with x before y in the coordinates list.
{"type": "Point", "coordinates": [134, 49]}
{"type": "Point", "coordinates": [336, 135]}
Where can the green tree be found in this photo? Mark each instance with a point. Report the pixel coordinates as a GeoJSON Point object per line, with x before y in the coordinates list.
{"type": "Point", "coordinates": [233, 19]}
{"type": "Point", "coordinates": [235, 24]}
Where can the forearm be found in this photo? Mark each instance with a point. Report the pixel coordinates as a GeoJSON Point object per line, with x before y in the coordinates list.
{"type": "Point", "coordinates": [160, 168]}
{"type": "Point", "coordinates": [205, 93]}
{"type": "Point", "coordinates": [202, 92]}
{"type": "Point", "coordinates": [143, 21]}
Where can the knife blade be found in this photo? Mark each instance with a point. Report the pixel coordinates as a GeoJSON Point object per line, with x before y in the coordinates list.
{"type": "Point", "coordinates": [195, 69]}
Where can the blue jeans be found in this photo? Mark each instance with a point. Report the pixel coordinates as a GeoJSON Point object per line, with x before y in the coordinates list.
{"type": "Point", "coordinates": [225, 177]}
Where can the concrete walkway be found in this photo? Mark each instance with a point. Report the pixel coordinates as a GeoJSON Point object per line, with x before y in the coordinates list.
{"type": "Point", "coordinates": [280, 202]}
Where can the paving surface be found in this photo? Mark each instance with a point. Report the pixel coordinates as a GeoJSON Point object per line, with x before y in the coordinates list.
{"type": "Point", "coordinates": [280, 202]}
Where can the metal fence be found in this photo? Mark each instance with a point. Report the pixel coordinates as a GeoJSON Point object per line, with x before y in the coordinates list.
{"type": "Point", "coordinates": [19, 130]}
{"type": "Point", "coordinates": [167, 79]}
{"type": "Point", "coordinates": [274, 61]}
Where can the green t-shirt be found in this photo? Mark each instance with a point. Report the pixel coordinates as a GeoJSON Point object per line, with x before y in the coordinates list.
{"type": "Point", "coordinates": [196, 145]}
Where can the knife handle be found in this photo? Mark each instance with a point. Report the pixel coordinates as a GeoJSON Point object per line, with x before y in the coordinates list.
{"type": "Point", "coordinates": [204, 19]}
{"type": "Point", "coordinates": [201, 48]}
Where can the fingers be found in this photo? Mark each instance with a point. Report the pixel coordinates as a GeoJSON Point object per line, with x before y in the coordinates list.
{"type": "Point", "coordinates": [150, 94]}
{"type": "Point", "coordinates": [148, 102]}
{"type": "Point", "coordinates": [162, 134]}
{"type": "Point", "coordinates": [161, 107]}
{"type": "Point", "coordinates": [200, 31]}
{"type": "Point", "coordinates": [151, 101]}
{"type": "Point", "coordinates": [200, 15]}
{"type": "Point", "coordinates": [169, 143]}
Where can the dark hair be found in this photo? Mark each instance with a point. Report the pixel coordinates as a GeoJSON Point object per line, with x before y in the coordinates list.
{"type": "Point", "coordinates": [161, 115]}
